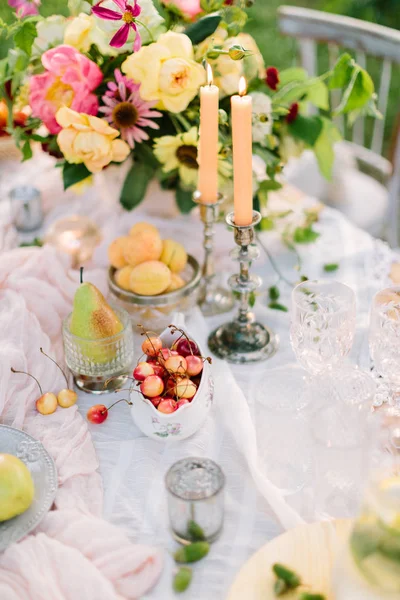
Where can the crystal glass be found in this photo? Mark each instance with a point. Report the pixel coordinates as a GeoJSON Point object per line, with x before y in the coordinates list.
{"type": "Point", "coordinates": [76, 235]}
{"type": "Point", "coordinates": [339, 437]}
{"type": "Point", "coordinates": [195, 488]}
{"type": "Point", "coordinates": [322, 324]}
{"type": "Point", "coordinates": [93, 362]}
{"type": "Point", "coordinates": [369, 565]}
{"type": "Point", "coordinates": [384, 338]}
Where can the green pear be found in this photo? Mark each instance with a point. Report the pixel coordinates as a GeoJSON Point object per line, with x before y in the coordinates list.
{"type": "Point", "coordinates": [93, 319]}
{"type": "Point", "coordinates": [16, 487]}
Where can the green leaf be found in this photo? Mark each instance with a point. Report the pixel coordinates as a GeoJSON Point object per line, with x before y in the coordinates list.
{"type": "Point", "coordinates": [305, 235]}
{"type": "Point", "coordinates": [145, 154]}
{"type": "Point", "coordinates": [26, 151]}
{"type": "Point", "coordinates": [135, 185]}
{"type": "Point", "coordinates": [289, 576]}
{"type": "Point", "coordinates": [35, 242]}
{"type": "Point", "coordinates": [310, 596]}
{"type": "Point", "coordinates": [267, 224]}
{"type": "Point", "coordinates": [203, 28]}
{"type": "Point", "coordinates": [25, 37]}
{"type": "Point", "coordinates": [269, 185]}
{"type": "Point", "coordinates": [324, 147]}
{"type": "Point", "coordinates": [292, 74]}
{"type": "Point", "coordinates": [252, 299]}
{"type": "Point", "coordinates": [357, 93]}
{"type": "Point", "coordinates": [184, 200]}
{"type": "Point", "coordinates": [342, 71]}
{"type": "Point", "coordinates": [277, 306]}
{"type": "Point", "coordinates": [330, 267]}
{"type": "Point", "coordinates": [182, 579]}
{"type": "Point", "coordinates": [280, 587]}
{"type": "Point", "coordinates": [318, 95]}
{"type": "Point", "coordinates": [195, 532]}
{"type": "Point", "coordinates": [18, 60]}
{"type": "Point", "coordinates": [74, 174]}
{"type": "Point", "coordinates": [274, 293]}
{"type": "Point", "coordinates": [306, 129]}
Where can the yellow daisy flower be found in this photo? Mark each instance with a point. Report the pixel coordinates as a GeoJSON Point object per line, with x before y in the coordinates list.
{"type": "Point", "coordinates": [180, 152]}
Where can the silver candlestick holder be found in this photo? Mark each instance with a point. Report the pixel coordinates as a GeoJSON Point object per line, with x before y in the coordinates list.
{"type": "Point", "coordinates": [244, 340]}
{"type": "Point", "coordinates": [214, 300]}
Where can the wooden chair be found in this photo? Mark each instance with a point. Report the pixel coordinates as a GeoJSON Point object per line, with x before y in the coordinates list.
{"type": "Point", "coordinates": [311, 27]}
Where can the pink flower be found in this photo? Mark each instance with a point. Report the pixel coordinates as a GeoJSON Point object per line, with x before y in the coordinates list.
{"type": "Point", "coordinates": [189, 8]}
{"type": "Point", "coordinates": [126, 111]}
{"type": "Point", "coordinates": [68, 81]}
{"type": "Point", "coordinates": [23, 8]}
{"type": "Point", "coordinates": [128, 15]}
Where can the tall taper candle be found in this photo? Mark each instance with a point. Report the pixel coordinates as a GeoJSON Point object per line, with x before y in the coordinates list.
{"type": "Point", "coordinates": [208, 143]}
{"type": "Point", "coordinates": [242, 143]}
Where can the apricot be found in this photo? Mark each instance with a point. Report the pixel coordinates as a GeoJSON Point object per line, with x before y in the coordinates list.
{"type": "Point", "coordinates": [150, 278]}
{"type": "Point", "coordinates": [176, 283]}
{"type": "Point", "coordinates": [116, 252]}
{"type": "Point", "coordinates": [145, 246]}
{"type": "Point", "coordinates": [123, 277]}
{"type": "Point", "coordinates": [139, 228]}
{"type": "Point", "coordinates": [173, 255]}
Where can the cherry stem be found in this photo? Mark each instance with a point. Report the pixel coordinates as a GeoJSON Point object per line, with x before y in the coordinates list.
{"type": "Point", "coordinates": [81, 275]}
{"type": "Point", "coordinates": [117, 402]}
{"type": "Point", "coordinates": [174, 329]}
{"type": "Point", "coordinates": [56, 363]}
{"type": "Point", "coordinates": [29, 375]}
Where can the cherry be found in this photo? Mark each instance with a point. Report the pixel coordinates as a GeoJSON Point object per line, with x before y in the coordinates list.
{"type": "Point", "coordinates": [143, 370]}
{"type": "Point", "coordinates": [98, 413]}
{"type": "Point", "coordinates": [167, 406]}
{"type": "Point", "coordinates": [194, 365]}
{"type": "Point", "coordinates": [185, 347]}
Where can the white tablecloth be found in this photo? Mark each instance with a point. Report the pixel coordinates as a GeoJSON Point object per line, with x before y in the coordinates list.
{"type": "Point", "coordinates": [133, 467]}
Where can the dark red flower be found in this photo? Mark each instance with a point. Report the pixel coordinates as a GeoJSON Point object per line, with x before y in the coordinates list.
{"type": "Point", "coordinates": [229, 2]}
{"type": "Point", "coordinates": [293, 112]}
{"type": "Point", "coordinates": [272, 78]}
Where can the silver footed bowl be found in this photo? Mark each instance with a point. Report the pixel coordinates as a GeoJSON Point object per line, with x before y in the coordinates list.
{"type": "Point", "coordinates": [154, 312]}
{"type": "Point", "coordinates": [44, 475]}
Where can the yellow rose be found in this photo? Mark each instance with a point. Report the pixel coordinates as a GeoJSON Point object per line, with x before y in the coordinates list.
{"type": "Point", "coordinates": [82, 31]}
{"type": "Point", "coordinates": [78, 32]}
{"type": "Point", "coordinates": [89, 140]}
{"type": "Point", "coordinates": [227, 72]}
{"type": "Point", "coordinates": [166, 71]}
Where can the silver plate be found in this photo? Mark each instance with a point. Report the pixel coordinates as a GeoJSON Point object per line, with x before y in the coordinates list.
{"type": "Point", "coordinates": [44, 474]}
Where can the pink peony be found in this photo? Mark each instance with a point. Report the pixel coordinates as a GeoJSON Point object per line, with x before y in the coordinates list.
{"type": "Point", "coordinates": [189, 8]}
{"type": "Point", "coordinates": [68, 81]}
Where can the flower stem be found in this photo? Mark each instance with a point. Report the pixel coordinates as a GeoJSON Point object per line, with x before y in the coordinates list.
{"type": "Point", "coordinates": [274, 264]}
{"type": "Point", "coordinates": [152, 40]}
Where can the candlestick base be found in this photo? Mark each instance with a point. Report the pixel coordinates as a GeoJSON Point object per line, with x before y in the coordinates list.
{"type": "Point", "coordinates": [214, 300]}
{"type": "Point", "coordinates": [244, 340]}
{"type": "Point", "coordinates": [243, 344]}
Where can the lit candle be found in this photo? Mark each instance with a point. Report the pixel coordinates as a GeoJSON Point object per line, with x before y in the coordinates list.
{"type": "Point", "coordinates": [242, 144]}
{"type": "Point", "coordinates": [208, 143]}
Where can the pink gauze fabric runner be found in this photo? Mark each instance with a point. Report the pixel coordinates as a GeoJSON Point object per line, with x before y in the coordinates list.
{"type": "Point", "coordinates": [73, 554]}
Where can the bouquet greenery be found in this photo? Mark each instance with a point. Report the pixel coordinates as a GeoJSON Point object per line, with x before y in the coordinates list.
{"type": "Point", "coordinates": [118, 80]}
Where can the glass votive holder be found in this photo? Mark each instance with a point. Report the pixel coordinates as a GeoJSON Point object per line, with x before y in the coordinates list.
{"type": "Point", "coordinates": [26, 206]}
{"type": "Point", "coordinates": [195, 488]}
{"type": "Point", "coordinates": [76, 235]}
{"type": "Point", "coordinates": [93, 362]}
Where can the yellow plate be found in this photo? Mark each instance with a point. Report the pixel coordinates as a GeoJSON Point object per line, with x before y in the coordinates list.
{"type": "Point", "coordinates": [309, 550]}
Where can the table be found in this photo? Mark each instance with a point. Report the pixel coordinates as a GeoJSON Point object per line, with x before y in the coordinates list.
{"type": "Point", "coordinates": [133, 467]}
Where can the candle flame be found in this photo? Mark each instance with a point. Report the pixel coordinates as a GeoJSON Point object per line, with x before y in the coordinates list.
{"type": "Point", "coordinates": [210, 77]}
{"type": "Point", "coordinates": [242, 86]}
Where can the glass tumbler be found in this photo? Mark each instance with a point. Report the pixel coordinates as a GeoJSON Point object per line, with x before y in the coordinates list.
{"type": "Point", "coordinates": [322, 324]}
{"type": "Point", "coordinates": [93, 362]}
{"type": "Point", "coordinates": [26, 204]}
{"type": "Point", "coordinates": [195, 488]}
{"type": "Point", "coordinates": [384, 338]}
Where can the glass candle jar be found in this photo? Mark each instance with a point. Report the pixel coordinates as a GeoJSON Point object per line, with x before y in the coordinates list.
{"type": "Point", "coordinates": [195, 489]}
{"type": "Point", "coordinates": [26, 204]}
{"type": "Point", "coordinates": [93, 362]}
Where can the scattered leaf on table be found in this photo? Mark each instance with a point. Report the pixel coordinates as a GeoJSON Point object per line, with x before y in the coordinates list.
{"type": "Point", "coordinates": [330, 267]}
{"type": "Point", "coordinates": [291, 578]}
{"type": "Point", "coordinates": [192, 553]}
{"type": "Point", "coordinates": [195, 532]}
{"type": "Point", "coordinates": [277, 306]}
{"type": "Point", "coordinates": [274, 293]}
{"type": "Point", "coordinates": [182, 579]}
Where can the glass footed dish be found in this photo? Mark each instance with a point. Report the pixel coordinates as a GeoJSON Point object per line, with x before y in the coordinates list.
{"type": "Point", "coordinates": [154, 312]}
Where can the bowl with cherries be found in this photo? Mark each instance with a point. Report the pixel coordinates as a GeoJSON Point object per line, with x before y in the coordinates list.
{"type": "Point", "coordinates": [172, 389]}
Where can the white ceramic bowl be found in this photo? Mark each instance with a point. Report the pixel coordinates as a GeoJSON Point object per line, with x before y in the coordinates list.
{"type": "Point", "coordinates": [188, 418]}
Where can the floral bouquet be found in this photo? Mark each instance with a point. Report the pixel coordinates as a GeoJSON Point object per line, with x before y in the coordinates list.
{"type": "Point", "coordinates": [118, 80]}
